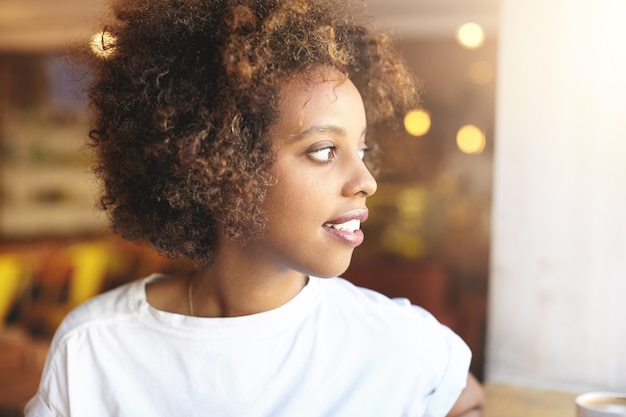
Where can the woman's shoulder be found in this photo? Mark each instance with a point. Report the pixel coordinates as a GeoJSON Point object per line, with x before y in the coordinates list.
{"type": "Point", "coordinates": [341, 288]}
{"type": "Point", "coordinates": [113, 305]}
{"type": "Point", "coordinates": [364, 305]}
{"type": "Point", "coordinates": [388, 324]}
{"type": "Point", "coordinates": [392, 318]}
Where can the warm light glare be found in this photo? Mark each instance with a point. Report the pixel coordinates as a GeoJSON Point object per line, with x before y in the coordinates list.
{"type": "Point", "coordinates": [470, 139]}
{"type": "Point", "coordinates": [470, 35]}
{"type": "Point", "coordinates": [103, 44]}
{"type": "Point", "coordinates": [417, 122]}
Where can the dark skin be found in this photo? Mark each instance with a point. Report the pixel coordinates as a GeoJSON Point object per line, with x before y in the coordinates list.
{"type": "Point", "coordinates": [470, 402]}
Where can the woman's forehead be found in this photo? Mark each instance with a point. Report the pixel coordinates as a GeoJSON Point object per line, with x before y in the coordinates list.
{"type": "Point", "coordinates": [314, 87]}
{"type": "Point", "coordinates": [319, 104]}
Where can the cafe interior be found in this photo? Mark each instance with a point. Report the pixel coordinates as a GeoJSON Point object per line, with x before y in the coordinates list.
{"type": "Point", "coordinates": [471, 219]}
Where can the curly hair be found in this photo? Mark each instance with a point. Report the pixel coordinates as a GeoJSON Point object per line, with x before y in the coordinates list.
{"type": "Point", "coordinates": [185, 93]}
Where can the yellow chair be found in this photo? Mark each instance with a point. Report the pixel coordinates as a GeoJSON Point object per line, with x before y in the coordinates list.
{"type": "Point", "coordinates": [13, 277]}
{"type": "Point", "coordinates": [91, 264]}
{"type": "Point", "coordinates": [83, 269]}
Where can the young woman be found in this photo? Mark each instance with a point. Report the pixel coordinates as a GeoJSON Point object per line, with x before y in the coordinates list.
{"type": "Point", "coordinates": [237, 133]}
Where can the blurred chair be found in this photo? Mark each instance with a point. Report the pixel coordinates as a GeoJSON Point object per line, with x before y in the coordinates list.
{"type": "Point", "coordinates": [14, 278]}
{"type": "Point", "coordinates": [70, 277]}
{"type": "Point", "coordinates": [91, 264]}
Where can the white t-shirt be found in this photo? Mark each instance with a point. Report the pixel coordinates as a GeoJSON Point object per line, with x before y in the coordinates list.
{"type": "Point", "coordinates": [333, 350]}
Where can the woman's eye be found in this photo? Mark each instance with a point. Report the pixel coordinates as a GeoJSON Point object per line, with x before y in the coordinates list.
{"type": "Point", "coordinates": [323, 154]}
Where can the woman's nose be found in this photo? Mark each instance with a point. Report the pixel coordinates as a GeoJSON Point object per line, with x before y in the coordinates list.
{"type": "Point", "coordinates": [360, 180]}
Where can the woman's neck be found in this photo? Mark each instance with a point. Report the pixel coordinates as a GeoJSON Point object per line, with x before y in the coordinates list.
{"type": "Point", "coordinates": [237, 285]}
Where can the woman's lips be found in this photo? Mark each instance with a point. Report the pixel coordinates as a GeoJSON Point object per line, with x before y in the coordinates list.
{"type": "Point", "coordinates": [347, 227]}
{"type": "Point", "coordinates": [349, 238]}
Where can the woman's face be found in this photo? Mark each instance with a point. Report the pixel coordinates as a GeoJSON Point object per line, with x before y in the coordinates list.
{"type": "Point", "coordinates": [315, 208]}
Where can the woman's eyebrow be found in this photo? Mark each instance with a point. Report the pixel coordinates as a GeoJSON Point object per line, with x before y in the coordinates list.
{"type": "Point", "coordinates": [316, 129]}
{"type": "Point", "coordinates": [325, 129]}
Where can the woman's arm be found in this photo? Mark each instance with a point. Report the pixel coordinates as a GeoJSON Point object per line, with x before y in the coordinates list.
{"type": "Point", "coordinates": [470, 402]}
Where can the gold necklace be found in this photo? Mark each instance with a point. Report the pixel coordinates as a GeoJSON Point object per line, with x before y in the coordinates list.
{"type": "Point", "coordinates": [189, 296]}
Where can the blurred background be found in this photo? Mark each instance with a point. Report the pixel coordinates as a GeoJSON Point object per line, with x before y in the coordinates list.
{"type": "Point", "coordinates": [522, 278]}
{"type": "Point", "coordinates": [428, 233]}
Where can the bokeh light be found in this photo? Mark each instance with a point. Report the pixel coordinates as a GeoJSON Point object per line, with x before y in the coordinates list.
{"type": "Point", "coordinates": [470, 139]}
{"type": "Point", "coordinates": [103, 44]}
{"type": "Point", "coordinates": [470, 35]}
{"type": "Point", "coordinates": [417, 122]}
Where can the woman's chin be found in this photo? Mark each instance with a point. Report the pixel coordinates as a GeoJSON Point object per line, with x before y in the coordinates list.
{"type": "Point", "coordinates": [331, 271]}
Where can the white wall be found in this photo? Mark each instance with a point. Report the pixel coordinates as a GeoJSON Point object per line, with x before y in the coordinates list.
{"type": "Point", "coordinates": [557, 308]}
